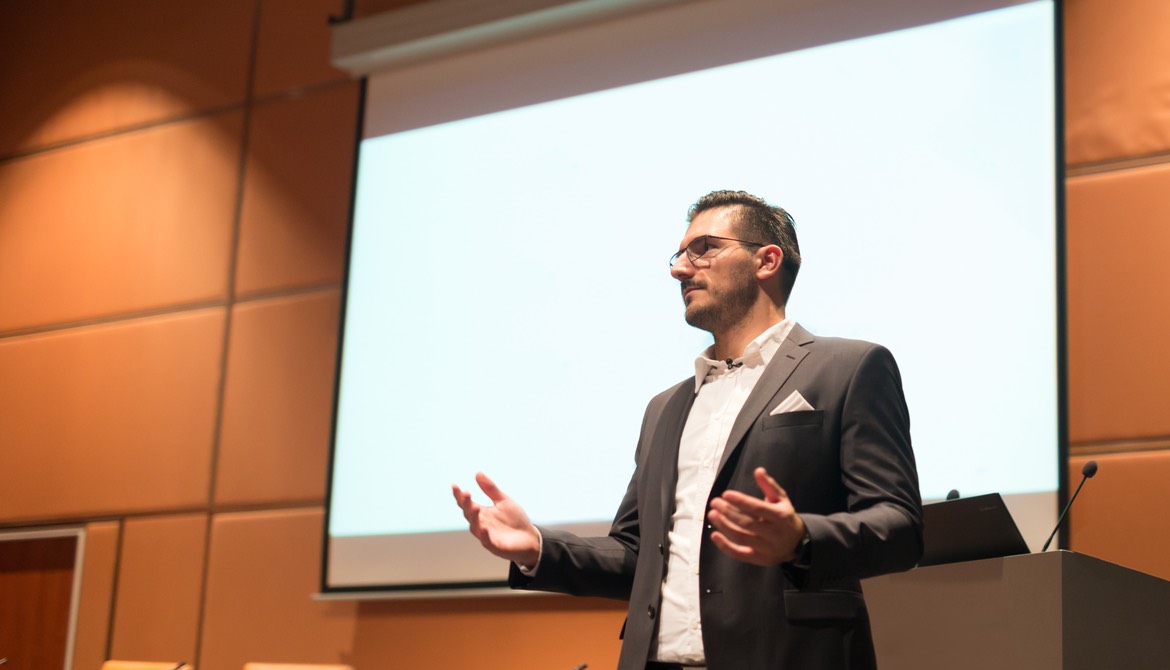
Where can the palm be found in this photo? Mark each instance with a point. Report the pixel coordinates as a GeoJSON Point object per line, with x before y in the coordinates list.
{"type": "Point", "coordinates": [503, 528]}
{"type": "Point", "coordinates": [758, 531]}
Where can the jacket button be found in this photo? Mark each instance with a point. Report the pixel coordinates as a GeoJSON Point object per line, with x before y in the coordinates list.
{"type": "Point", "coordinates": [661, 550]}
{"type": "Point", "coordinates": [650, 611]}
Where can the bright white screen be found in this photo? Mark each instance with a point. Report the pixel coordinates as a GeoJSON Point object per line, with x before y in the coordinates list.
{"type": "Point", "coordinates": [509, 306]}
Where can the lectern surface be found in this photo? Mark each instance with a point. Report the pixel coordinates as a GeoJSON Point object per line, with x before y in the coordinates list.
{"type": "Point", "coordinates": [1053, 611]}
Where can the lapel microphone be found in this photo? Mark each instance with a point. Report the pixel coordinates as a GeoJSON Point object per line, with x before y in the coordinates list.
{"type": "Point", "coordinates": [731, 364]}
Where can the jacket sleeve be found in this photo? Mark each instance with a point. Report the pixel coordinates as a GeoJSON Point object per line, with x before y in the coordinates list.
{"type": "Point", "coordinates": [880, 530]}
{"type": "Point", "coordinates": [600, 566]}
{"type": "Point", "coordinates": [588, 566]}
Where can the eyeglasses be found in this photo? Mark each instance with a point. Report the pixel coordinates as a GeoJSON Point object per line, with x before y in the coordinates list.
{"type": "Point", "coordinates": [699, 247]}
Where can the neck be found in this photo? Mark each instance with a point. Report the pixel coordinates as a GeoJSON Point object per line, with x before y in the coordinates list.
{"type": "Point", "coordinates": [730, 342]}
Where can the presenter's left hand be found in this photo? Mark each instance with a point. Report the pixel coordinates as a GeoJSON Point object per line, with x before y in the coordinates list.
{"type": "Point", "coordinates": [758, 531]}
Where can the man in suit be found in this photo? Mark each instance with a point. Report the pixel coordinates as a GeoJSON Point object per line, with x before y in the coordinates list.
{"type": "Point", "coordinates": [766, 487]}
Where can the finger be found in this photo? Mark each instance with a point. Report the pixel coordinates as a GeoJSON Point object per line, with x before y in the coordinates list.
{"type": "Point", "coordinates": [471, 514]}
{"type": "Point", "coordinates": [738, 552]}
{"type": "Point", "coordinates": [733, 514]}
{"type": "Point", "coordinates": [753, 548]}
{"type": "Point", "coordinates": [732, 531]}
{"type": "Point", "coordinates": [489, 487]}
{"type": "Point", "coordinates": [770, 488]}
{"type": "Point", "coordinates": [460, 496]}
{"type": "Point", "coordinates": [463, 499]}
{"type": "Point", "coordinates": [748, 504]}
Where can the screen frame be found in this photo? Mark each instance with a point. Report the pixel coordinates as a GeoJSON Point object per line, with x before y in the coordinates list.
{"type": "Point", "coordinates": [499, 587]}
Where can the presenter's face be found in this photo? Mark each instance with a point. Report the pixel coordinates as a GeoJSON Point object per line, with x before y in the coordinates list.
{"type": "Point", "coordinates": [720, 288]}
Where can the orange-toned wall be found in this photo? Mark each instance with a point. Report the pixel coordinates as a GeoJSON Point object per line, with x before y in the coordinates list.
{"type": "Point", "coordinates": [1117, 129]}
{"type": "Point", "coordinates": [174, 183]}
{"type": "Point", "coordinates": [174, 192]}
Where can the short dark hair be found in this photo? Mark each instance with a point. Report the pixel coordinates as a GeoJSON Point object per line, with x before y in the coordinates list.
{"type": "Point", "coordinates": [757, 221]}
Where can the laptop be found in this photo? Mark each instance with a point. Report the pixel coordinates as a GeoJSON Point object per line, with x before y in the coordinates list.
{"type": "Point", "coordinates": [969, 529]}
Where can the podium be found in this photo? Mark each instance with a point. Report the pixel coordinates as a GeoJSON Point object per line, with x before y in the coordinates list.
{"type": "Point", "coordinates": [1057, 610]}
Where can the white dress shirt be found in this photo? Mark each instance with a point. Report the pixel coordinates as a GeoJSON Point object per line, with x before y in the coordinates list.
{"type": "Point", "coordinates": [721, 391]}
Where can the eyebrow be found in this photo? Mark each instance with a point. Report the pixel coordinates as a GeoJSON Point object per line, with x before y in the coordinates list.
{"type": "Point", "coordinates": [689, 243]}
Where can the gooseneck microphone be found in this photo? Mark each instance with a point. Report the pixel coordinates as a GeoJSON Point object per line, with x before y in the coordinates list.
{"type": "Point", "coordinates": [953, 495]}
{"type": "Point", "coordinates": [1087, 473]}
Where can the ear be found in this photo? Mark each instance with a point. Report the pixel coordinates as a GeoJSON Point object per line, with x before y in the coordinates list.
{"type": "Point", "coordinates": [768, 260]}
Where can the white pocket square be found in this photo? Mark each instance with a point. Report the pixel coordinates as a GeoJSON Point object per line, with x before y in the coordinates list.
{"type": "Point", "coordinates": [793, 403]}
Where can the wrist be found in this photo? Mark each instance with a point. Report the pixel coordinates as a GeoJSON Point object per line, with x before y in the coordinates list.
{"type": "Point", "coordinates": [802, 554]}
{"type": "Point", "coordinates": [528, 560]}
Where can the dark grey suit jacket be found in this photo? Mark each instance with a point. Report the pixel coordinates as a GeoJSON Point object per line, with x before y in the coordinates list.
{"type": "Point", "coordinates": [849, 469]}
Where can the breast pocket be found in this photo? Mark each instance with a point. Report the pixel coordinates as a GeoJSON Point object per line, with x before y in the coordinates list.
{"type": "Point", "coordinates": [812, 417]}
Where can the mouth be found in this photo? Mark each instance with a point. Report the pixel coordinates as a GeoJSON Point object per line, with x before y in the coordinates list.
{"type": "Point", "coordinates": [689, 287]}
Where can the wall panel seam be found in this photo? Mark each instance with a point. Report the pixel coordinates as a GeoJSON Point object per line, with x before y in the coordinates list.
{"type": "Point", "coordinates": [40, 523]}
{"type": "Point", "coordinates": [119, 132]}
{"type": "Point", "coordinates": [289, 292]}
{"type": "Point", "coordinates": [300, 505]}
{"type": "Point", "coordinates": [225, 353]}
{"type": "Point", "coordinates": [1120, 446]}
{"type": "Point", "coordinates": [122, 317]}
{"type": "Point", "coordinates": [114, 589]}
{"type": "Point", "coordinates": [1116, 164]}
{"type": "Point", "coordinates": [178, 309]}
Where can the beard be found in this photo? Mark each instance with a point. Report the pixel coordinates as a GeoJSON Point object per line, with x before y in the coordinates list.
{"type": "Point", "coordinates": [726, 307]}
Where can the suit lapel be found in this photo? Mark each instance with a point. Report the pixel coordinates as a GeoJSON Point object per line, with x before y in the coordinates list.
{"type": "Point", "coordinates": [666, 443]}
{"type": "Point", "coordinates": [783, 363]}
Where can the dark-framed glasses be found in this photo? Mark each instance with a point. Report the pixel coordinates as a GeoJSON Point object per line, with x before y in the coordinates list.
{"type": "Point", "coordinates": [699, 247]}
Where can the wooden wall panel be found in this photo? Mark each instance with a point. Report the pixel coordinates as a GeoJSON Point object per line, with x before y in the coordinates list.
{"type": "Point", "coordinates": [136, 222]}
{"type": "Point", "coordinates": [79, 67]}
{"type": "Point", "coordinates": [501, 633]}
{"type": "Point", "coordinates": [278, 404]}
{"type": "Point", "coordinates": [1119, 305]}
{"type": "Point", "coordinates": [1116, 79]}
{"type": "Point", "coordinates": [99, 565]}
{"type": "Point", "coordinates": [120, 419]}
{"type": "Point", "coordinates": [36, 593]}
{"type": "Point", "coordinates": [293, 45]}
{"type": "Point", "coordinates": [263, 569]}
{"type": "Point", "coordinates": [1118, 515]}
{"type": "Point", "coordinates": [109, 419]}
{"type": "Point", "coordinates": [160, 582]}
{"type": "Point", "coordinates": [297, 190]}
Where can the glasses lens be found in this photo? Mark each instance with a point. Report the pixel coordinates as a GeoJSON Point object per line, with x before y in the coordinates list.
{"type": "Point", "coordinates": [694, 251]}
{"type": "Point", "coordinates": [697, 248]}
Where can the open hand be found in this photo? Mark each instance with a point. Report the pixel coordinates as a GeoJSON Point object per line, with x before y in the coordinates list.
{"type": "Point", "coordinates": [753, 530]}
{"type": "Point", "coordinates": [503, 527]}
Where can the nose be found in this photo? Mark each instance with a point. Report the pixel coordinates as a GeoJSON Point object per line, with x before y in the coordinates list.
{"type": "Point", "coordinates": [682, 268]}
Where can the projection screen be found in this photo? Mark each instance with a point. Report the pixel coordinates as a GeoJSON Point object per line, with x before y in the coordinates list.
{"type": "Point", "coordinates": [508, 305]}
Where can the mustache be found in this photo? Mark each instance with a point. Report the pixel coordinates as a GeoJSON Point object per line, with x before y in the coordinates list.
{"type": "Point", "coordinates": [690, 283]}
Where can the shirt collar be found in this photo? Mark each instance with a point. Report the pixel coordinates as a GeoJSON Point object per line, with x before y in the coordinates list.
{"type": "Point", "coordinates": [758, 352]}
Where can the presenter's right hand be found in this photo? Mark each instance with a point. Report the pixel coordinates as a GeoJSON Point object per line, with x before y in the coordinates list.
{"type": "Point", "coordinates": [502, 528]}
